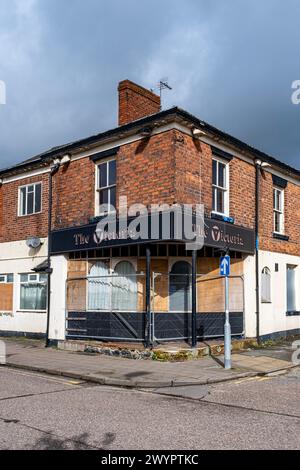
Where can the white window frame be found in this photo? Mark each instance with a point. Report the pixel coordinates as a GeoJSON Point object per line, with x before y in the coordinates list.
{"type": "Point", "coordinates": [98, 190]}
{"type": "Point", "coordinates": [107, 261]}
{"type": "Point", "coordinates": [116, 261]}
{"type": "Point", "coordinates": [134, 265]}
{"type": "Point", "coordinates": [279, 211]}
{"type": "Point", "coordinates": [111, 265]}
{"type": "Point", "coordinates": [5, 279]}
{"type": "Point", "coordinates": [33, 278]}
{"type": "Point", "coordinates": [34, 193]}
{"type": "Point", "coordinates": [295, 269]}
{"type": "Point", "coordinates": [224, 189]}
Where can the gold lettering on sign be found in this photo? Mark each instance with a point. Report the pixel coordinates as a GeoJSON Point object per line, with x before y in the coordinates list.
{"type": "Point", "coordinates": [81, 239]}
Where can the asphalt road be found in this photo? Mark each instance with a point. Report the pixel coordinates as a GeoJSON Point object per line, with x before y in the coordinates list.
{"type": "Point", "coordinates": [41, 412]}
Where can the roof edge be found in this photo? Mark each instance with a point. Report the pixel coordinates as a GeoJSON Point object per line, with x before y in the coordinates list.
{"type": "Point", "coordinates": [54, 152]}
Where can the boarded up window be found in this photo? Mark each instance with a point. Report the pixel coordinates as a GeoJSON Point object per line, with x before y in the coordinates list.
{"type": "Point", "coordinates": [266, 285]}
{"type": "Point", "coordinates": [76, 286]}
{"type": "Point", "coordinates": [6, 292]}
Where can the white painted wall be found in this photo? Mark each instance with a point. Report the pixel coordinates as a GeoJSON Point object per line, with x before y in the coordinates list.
{"type": "Point", "coordinates": [273, 315]}
{"type": "Point", "coordinates": [13, 251]}
{"type": "Point", "coordinates": [250, 297]}
{"type": "Point", "coordinates": [57, 324]}
{"type": "Point", "coordinates": [17, 258]}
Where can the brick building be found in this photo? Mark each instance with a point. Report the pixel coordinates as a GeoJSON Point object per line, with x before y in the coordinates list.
{"type": "Point", "coordinates": [58, 278]}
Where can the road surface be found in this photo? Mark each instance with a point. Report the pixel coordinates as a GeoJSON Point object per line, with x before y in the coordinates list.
{"type": "Point", "coordinates": [43, 412]}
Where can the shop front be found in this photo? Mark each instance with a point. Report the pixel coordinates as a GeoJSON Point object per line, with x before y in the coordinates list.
{"type": "Point", "coordinates": [146, 291]}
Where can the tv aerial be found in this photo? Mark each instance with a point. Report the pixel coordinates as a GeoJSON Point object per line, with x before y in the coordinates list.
{"type": "Point", "coordinates": [163, 85]}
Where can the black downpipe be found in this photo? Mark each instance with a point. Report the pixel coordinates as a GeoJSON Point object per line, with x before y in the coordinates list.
{"type": "Point", "coordinates": [257, 209]}
{"type": "Point", "coordinates": [194, 299]}
{"type": "Point", "coordinates": [49, 270]}
{"type": "Point", "coordinates": [148, 298]}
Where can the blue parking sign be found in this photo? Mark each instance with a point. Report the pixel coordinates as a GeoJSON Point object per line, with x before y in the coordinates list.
{"type": "Point", "coordinates": [225, 265]}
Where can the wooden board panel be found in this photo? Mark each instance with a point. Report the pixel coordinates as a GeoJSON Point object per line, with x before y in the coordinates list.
{"type": "Point", "coordinates": [6, 297]}
{"type": "Point", "coordinates": [77, 268]}
{"type": "Point", "coordinates": [161, 284]}
{"type": "Point", "coordinates": [236, 295]}
{"type": "Point", "coordinates": [76, 289]}
{"type": "Point", "coordinates": [210, 295]}
{"type": "Point", "coordinates": [76, 295]}
{"type": "Point", "coordinates": [212, 266]}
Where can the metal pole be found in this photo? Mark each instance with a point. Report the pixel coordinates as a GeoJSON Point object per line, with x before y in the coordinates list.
{"type": "Point", "coordinates": [53, 170]}
{"type": "Point", "coordinates": [49, 261]}
{"type": "Point", "coordinates": [227, 328]}
{"type": "Point", "coordinates": [152, 310]}
{"type": "Point", "coordinates": [148, 297]}
{"type": "Point", "coordinates": [257, 210]}
{"type": "Point", "coordinates": [194, 299]}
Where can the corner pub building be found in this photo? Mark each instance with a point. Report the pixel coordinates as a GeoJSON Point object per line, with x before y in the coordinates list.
{"type": "Point", "coordinates": [58, 280]}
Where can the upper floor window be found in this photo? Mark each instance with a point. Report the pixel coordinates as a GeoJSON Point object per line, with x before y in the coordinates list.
{"type": "Point", "coordinates": [106, 187]}
{"type": "Point", "coordinates": [30, 199]}
{"type": "Point", "coordinates": [220, 187]}
{"type": "Point", "coordinates": [278, 210]}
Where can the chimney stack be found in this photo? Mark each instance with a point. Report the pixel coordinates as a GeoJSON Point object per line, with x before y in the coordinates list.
{"type": "Point", "coordinates": [136, 102]}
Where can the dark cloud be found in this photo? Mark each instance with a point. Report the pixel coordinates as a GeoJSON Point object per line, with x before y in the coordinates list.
{"type": "Point", "coordinates": [231, 63]}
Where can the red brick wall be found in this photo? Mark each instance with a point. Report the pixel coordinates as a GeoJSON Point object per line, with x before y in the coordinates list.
{"type": "Point", "coordinates": [291, 218]}
{"type": "Point", "coordinates": [146, 170]}
{"type": "Point", "coordinates": [15, 228]}
{"type": "Point", "coordinates": [242, 192]}
{"type": "Point", "coordinates": [170, 167]}
{"type": "Point", "coordinates": [1, 212]}
{"type": "Point", "coordinates": [135, 102]}
{"type": "Point", "coordinates": [188, 164]}
{"type": "Point", "coordinates": [145, 174]}
{"type": "Point", "coordinates": [73, 194]}
{"type": "Point", "coordinates": [194, 180]}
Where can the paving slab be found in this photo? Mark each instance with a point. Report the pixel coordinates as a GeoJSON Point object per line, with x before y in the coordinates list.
{"type": "Point", "coordinates": [257, 363]}
{"type": "Point", "coordinates": [134, 373]}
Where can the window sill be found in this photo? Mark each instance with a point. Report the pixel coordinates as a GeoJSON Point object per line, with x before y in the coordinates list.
{"type": "Point", "coordinates": [31, 311]}
{"type": "Point", "coordinates": [280, 236]}
{"type": "Point", "coordinates": [222, 217]}
{"type": "Point", "coordinates": [98, 218]}
{"type": "Point", "coordinates": [30, 215]}
{"type": "Point", "coordinates": [295, 313]}
{"type": "Point", "coordinates": [107, 214]}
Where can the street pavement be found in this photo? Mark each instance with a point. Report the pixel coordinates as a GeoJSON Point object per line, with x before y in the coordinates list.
{"type": "Point", "coordinates": [43, 412]}
{"type": "Point", "coordinates": [32, 355]}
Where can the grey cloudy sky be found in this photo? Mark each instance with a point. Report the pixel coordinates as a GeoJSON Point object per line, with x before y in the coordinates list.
{"type": "Point", "coordinates": [230, 63]}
